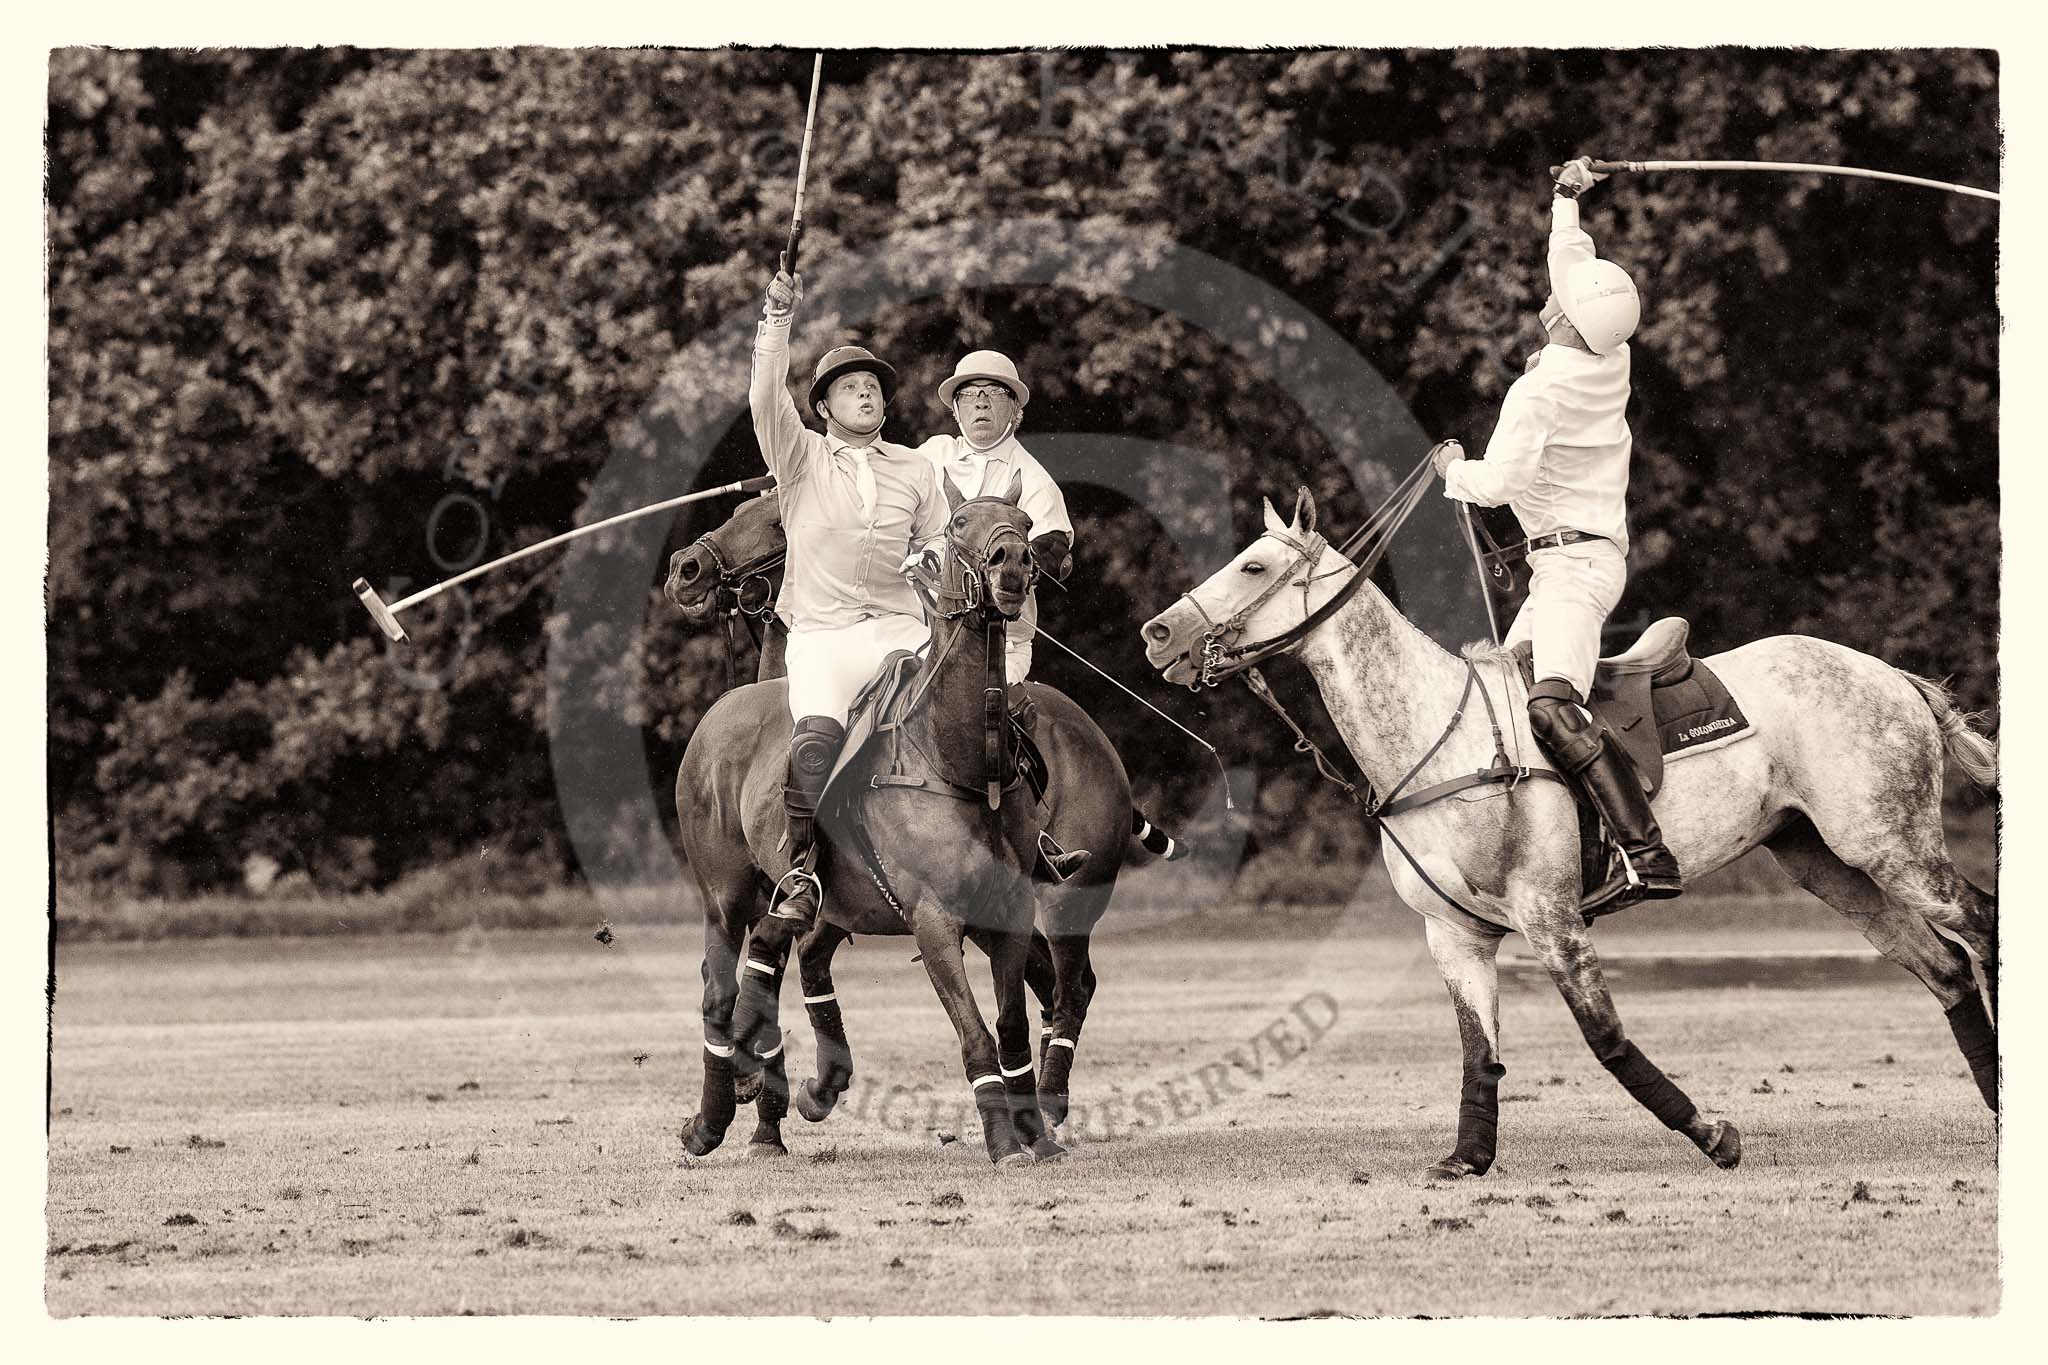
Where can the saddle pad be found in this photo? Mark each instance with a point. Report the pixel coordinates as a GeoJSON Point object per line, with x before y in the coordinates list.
{"type": "Point", "coordinates": [871, 707]}
{"type": "Point", "coordinates": [1688, 710]}
{"type": "Point", "coordinates": [1697, 713]}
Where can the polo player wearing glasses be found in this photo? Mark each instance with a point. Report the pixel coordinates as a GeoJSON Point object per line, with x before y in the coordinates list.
{"type": "Point", "coordinates": [986, 397]}
{"type": "Point", "coordinates": [855, 511]}
{"type": "Point", "coordinates": [1559, 457]}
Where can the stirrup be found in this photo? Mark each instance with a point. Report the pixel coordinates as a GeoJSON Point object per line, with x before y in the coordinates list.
{"type": "Point", "coordinates": [1062, 864]}
{"type": "Point", "coordinates": [796, 879]}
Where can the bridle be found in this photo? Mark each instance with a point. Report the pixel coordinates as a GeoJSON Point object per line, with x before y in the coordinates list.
{"type": "Point", "coordinates": [1221, 657]}
{"type": "Point", "coordinates": [735, 596]}
{"type": "Point", "coordinates": [969, 592]}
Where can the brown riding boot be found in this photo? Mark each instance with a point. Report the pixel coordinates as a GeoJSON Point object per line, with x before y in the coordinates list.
{"type": "Point", "coordinates": [1600, 771]}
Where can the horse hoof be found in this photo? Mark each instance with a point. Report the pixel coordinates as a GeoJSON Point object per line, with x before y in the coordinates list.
{"type": "Point", "coordinates": [1452, 1168]}
{"type": "Point", "coordinates": [1724, 1145]}
{"type": "Point", "coordinates": [1054, 1107]}
{"type": "Point", "coordinates": [699, 1140]}
{"type": "Point", "coordinates": [1045, 1149]}
{"type": "Point", "coordinates": [766, 1151]}
{"type": "Point", "coordinates": [815, 1107]}
{"type": "Point", "coordinates": [1013, 1161]}
{"type": "Point", "coordinates": [746, 1087]}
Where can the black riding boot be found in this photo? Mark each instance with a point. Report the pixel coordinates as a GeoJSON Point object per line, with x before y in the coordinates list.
{"type": "Point", "coordinates": [1600, 771]}
{"type": "Point", "coordinates": [811, 751]}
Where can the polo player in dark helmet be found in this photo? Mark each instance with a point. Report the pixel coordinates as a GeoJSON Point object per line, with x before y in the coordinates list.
{"type": "Point", "coordinates": [1560, 458]}
{"type": "Point", "coordinates": [855, 510]}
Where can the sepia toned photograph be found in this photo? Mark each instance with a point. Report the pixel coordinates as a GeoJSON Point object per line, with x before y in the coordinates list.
{"type": "Point", "coordinates": [1178, 682]}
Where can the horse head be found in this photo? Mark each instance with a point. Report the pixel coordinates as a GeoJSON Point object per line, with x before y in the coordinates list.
{"type": "Point", "coordinates": [733, 568]}
{"type": "Point", "coordinates": [1197, 640]}
{"type": "Point", "coordinates": [987, 567]}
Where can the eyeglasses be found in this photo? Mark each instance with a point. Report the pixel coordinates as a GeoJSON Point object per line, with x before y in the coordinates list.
{"type": "Point", "coordinates": [989, 391]}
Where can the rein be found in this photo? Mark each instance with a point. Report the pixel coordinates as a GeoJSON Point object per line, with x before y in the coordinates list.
{"type": "Point", "coordinates": [969, 590]}
{"type": "Point", "coordinates": [1221, 659]}
{"type": "Point", "coordinates": [731, 595]}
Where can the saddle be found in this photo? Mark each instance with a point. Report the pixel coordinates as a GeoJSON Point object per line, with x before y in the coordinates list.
{"type": "Point", "coordinates": [1657, 701]}
{"type": "Point", "coordinates": [875, 720]}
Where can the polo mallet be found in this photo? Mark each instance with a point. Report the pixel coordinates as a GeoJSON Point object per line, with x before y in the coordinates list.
{"type": "Point", "coordinates": [386, 614]}
{"type": "Point", "coordinates": [803, 167]}
{"type": "Point", "coordinates": [1795, 167]}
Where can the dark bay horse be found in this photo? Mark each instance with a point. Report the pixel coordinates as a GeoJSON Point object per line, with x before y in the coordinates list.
{"type": "Point", "coordinates": [735, 571]}
{"type": "Point", "coordinates": [1842, 782]}
{"type": "Point", "coordinates": [954, 867]}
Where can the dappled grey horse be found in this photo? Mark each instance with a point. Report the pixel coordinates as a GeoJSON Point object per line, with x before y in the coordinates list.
{"type": "Point", "coordinates": [1842, 781]}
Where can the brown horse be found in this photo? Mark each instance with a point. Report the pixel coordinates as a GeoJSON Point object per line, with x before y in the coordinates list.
{"type": "Point", "coordinates": [1842, 782]}
{"type": "Point", "coordinates": [735, 572]}
{"type": "Point", "coordinates": [944, 868]}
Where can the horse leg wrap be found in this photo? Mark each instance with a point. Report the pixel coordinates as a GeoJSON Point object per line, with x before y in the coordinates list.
{"type": "Point", "coordinates": [1052, 1076]}
{"type": "Point", "coordinates": [998, 1131]}
{"type": "Point", "coordinates": [714, 1106]}
{"type": "Point", "coordinates": [1979, 1044]}
{"type": "Point", "coordinates": [1651, 1087]}
{"type": "Point", "coordinates": [1022, 1088]}
{"type": "Point", "coordinates": [760, 987]}
{"type": "Point", "coordinates": [835, 1055]}
{"type": "Point", "coordinates": [1479, 1117]}
{"type": "Point", "coordinates": [773, 1104]}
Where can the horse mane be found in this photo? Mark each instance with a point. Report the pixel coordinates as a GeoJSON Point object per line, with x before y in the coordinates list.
{"type": "Point", "coordinates": [1486, 652]}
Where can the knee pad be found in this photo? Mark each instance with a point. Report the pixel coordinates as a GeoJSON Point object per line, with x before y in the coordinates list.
{"type": "Point", "coordinates": [1563, 727]}
{"type": "Point", "coordinates": [813, 747]}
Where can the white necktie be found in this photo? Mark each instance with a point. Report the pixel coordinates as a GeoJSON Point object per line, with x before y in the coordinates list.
{"type": "Point", "coordinates": [863, 478]}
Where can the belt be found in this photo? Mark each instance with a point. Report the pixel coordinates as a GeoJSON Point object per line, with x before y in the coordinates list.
{"type": "Point", "coordinates": [1559, 539]}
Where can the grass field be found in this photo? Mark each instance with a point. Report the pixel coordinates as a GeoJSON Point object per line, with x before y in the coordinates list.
{"type": "Point", "coordinates": [485, 1122]}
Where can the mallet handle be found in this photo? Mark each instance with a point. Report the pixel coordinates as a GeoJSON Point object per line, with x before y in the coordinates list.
{"type": "Point", "coordinates": [803, 170]}
{"type": "Point", "coordinates": [742, 486]}
{"type": "Point", "coordinates": [1799, 167]}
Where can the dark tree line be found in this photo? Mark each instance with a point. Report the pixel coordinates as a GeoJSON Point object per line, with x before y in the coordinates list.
{"type": "Point", "coordinates": [321, 313]}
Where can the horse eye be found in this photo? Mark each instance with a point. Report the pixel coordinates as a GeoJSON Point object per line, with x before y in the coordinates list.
{"type": "Point", "coordinates": [1254, 569]}
{"type": "Point", "coordinates": [959, 523]}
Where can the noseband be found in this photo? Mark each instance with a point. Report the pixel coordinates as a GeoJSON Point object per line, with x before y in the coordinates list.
{"type": "Point", "coordinates": [969, 590]}
{"type": "Point", "coordinates": [1222, 658]}
{"type": "Point", "coordinates": [735, 593]}
{"type": "Point", "coordinates": [1219, 656]}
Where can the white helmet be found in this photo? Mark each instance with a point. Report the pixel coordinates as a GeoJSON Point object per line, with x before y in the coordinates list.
{"type": "Point", "coordinates": [1601, 301]}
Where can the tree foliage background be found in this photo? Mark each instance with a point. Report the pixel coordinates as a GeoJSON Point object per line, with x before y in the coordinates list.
{"type": "Point", "coordinates": [299, 299]}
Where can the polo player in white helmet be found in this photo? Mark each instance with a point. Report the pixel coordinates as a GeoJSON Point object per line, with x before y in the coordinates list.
{"type": "Point", "coordinates": [1559, 457]}
{"type": "Point", "coordinates": [986, 396]}
{"type": "Point", "coordinates": [855, 510]}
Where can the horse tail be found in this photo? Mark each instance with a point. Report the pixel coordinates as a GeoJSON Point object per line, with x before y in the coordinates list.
{"type": "Point", "coordinates": [1155, 840]}
{"type": "Point", "coordinates": [1967, 747]}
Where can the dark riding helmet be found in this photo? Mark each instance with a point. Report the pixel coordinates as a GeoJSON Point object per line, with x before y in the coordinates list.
{"type": "Point", "coordinates": [845, 360]}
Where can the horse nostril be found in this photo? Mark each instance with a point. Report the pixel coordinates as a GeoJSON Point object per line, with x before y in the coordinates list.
{"type": "Point", "coordinates": [1158, 632]}
{"type": "Point", "coordinates": [687, 571]}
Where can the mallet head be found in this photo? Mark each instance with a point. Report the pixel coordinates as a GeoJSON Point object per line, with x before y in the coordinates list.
{"type": "Point", "coordinates": [378, 611]}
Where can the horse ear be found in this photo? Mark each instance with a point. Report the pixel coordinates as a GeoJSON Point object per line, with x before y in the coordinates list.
{"type": "Point", "coordinates": [1015, 497]}
{"type": "Point", "coordinates": [953, 498]}
{"type": "Point", "coordinates": [1305, 511]}
{"type": "Point", "coordinates": [1273, 522]}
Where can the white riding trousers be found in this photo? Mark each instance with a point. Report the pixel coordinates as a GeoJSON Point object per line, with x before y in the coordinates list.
{"type": "Point", "coordinates": [1572, 589]}
{"type": "Point", "coordinates": [828, 667]}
